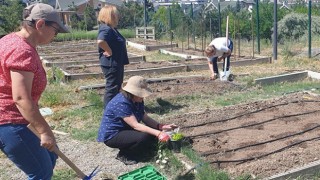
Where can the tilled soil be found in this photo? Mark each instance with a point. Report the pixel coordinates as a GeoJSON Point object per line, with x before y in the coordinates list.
{"type": "Point", "coordinates": [262, 138]}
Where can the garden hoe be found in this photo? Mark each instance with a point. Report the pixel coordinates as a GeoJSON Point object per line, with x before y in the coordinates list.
{"type": "Point", "coordinates": [56, 150]}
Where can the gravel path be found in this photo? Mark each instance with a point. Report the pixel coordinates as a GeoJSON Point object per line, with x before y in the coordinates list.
{"type": "Point", "coordinates": [85, 155]}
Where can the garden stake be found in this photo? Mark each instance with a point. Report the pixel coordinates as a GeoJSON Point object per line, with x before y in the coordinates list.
{"type": "Point", "coordinates": [224, 77]}
{"type": "Point", "coordinates": [56, 150]}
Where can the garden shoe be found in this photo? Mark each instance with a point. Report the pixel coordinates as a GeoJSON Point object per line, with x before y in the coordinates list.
{"type": "Point", "coordinates": [231, 77]}
{"type": "Point", "coordinates": [126, 159]}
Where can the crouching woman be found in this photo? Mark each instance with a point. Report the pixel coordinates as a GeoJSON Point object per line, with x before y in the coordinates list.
{"type": "Point", "coordinates": [125, 124]}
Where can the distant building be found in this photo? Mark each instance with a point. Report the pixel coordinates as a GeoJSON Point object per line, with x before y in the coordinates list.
{"type": "Point", "coordinates": [65, 7]}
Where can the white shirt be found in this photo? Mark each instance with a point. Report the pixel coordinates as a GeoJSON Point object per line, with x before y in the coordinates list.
{"type": "Point", "coordinates": [221, 46]}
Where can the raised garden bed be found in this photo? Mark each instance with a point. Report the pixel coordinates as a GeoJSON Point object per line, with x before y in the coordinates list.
{"type": "Point", "coordinates": [149, 45]}
{"type": "Point", "coordinates": [67, 47]}
{"type": "Point", "coordinates": [94, 70]}
{"type": "Point", "coordinates": [82, 59]}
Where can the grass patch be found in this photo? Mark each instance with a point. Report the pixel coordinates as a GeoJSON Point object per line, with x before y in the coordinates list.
{"type": "Point", "coordinates": [89, 35]}
{"type": "Point", "coordinates": [63, 174]}
{"type": "Point", "coordinates": [82, 123]}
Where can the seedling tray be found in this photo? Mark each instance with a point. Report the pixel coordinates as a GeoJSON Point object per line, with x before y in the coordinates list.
{"type": "Point", "coordinates": [147, 172]}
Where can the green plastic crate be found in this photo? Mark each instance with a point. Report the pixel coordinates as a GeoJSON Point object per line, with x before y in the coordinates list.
{"type": "Point", "coordinates": [147, 172]}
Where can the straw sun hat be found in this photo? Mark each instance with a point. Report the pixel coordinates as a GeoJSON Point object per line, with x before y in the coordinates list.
{"type": "Point", "coordinates": [137, 86]}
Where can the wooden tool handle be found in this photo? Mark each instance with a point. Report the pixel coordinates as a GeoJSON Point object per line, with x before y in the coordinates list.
{"type": "Point", "coordinates": [56, 150]}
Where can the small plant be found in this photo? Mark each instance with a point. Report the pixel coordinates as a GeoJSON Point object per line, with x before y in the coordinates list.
{"type": "Point", "coordinates": [162, 158]}
{"type": "Point", "coordinates": [177, 136]}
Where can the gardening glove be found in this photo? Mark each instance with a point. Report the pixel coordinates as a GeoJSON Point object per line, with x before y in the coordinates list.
{"type": "Point", "coordinates": [163, 137]}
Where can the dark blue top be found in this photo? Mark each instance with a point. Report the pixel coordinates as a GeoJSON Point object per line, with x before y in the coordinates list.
{"type": "Point", "coordinates": [117, 44]}
{"type": "Point", "coordinates": [112, 120]}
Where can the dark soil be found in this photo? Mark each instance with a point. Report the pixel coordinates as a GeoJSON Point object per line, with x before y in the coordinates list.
{"type": "Point", "coordinates": [262, 138]}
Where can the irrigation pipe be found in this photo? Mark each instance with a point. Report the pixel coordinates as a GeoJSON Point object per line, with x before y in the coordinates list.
{"type": "Point", "coordinates": [248, 113]}
{"type": "Point", "coordinates": [250, 125]}
{"type": "Point", "coordinates": [241, 161]}
{"type": "Point", "coordinates": [261, 143]}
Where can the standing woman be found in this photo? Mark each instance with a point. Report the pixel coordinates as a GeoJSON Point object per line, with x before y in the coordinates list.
{"type": "Point", "coordinates": [22, 81]}
{"type": "Point", "coordinates": [112, 51]}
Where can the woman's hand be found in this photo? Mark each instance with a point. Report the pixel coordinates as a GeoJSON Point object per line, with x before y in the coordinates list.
{"type": "Point", "coordinates": [48, 141]}
{"type": "Point", "coordinates": [107, 54]}
{"type": "Point", "coordinates": [163, 137]}
{"type": "Point", "coordinates": [169, 127]}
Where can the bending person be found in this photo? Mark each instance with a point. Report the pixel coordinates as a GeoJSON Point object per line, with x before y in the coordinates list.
{"type": "Point", "coordinates": [112, 51]}
{"type": "Point", "coordinates": [22, 81]}
{"type": "Point", "coordinates": [121, 125]}
{"type": "Point", "coordinates": [217, 50]}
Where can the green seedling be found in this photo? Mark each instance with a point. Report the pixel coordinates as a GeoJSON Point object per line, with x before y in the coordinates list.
{"type": "Point", "coordinates": [177, 136]}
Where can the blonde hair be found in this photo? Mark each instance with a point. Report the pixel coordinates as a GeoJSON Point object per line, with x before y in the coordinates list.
{"type": "Point", "coordinates": [209, 49]}
{"type": "Point", "coordinates": [109, 15]}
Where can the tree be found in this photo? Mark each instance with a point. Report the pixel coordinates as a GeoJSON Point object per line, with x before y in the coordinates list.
{"type": "Point", "coordinates": [295, 25]}
{"type": "Point", "coordinates": [74, 18]}
{"type": "Point", "coordinates": [266, 18]}
{"type": "Point", "coordinates": [11, 15]}
{"type": "Point", "coordinates": [131, 15]}
{"type": "Point", "coordinates": [90, 18]}
{"type": "Point", "coordinates": [160, 21]}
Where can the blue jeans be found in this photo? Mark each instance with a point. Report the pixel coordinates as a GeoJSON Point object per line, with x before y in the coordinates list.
{"type": "Point", "coordinates": [23, 148]}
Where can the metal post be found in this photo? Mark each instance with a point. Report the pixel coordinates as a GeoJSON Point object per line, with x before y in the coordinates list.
{"type": "Point", "coordinates": [145, 13]}
{"type": "Point", "coordinates": [275, 30]}
{"type": "Point", "coordinates": [258, 26]}
{"type": "Point", "coordinates": [252, 35]}
{"type": "Point", "coordinates": [211, 28]}
{"type": "Point", "coordinates": [239, 37]}
{"type": "Point", "coordinates": [170, 25]}
{"type": "Point", "coordinates": [309, 29]}
{"type": "Point", "coordinates": [219, 18]}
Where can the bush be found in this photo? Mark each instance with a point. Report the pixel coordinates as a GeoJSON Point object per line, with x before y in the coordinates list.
{"type": "Point", "coordinates": [294, 26]}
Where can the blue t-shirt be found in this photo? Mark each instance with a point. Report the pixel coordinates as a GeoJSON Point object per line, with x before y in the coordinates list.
{"type": "Point", "coordinates": [117, 44]}
{"type": "Point", "coordinates": [112, 120]}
